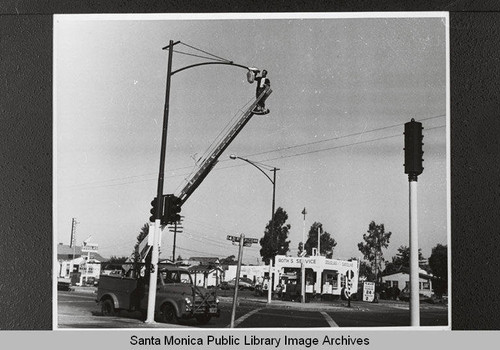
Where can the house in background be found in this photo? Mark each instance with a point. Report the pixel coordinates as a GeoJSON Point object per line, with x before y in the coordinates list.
{"type": "Point", "coordinates": [401, 280]}
{"type": "Point", "coordinates": [78, 266]}
{"type": "Point", "coordinates": [206, 275]}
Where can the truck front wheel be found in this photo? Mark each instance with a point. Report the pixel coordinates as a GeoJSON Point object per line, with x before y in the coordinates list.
{"type": "Point", "coordinates": [108, 307]}
{"type": "Point", "coordinates": [167, 314]}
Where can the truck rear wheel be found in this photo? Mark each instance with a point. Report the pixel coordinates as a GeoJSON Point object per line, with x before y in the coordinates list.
{"type": "Point", "coordinates": [167, 314]}
{"type": "Point", "coordinates": [203, 319]}
{"type": "Point", "coordinates": [108, 307]}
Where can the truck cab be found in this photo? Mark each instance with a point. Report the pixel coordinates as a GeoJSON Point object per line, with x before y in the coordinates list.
{"type": "Point", "coordinates": [176, 296]}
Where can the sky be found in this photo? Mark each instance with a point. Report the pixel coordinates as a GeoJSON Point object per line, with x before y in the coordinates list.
{"type": "Point", "coordinates": [343, 87]}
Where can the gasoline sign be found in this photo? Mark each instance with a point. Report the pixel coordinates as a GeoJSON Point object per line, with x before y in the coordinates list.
{"type": "Point", "coordinates": [368, 291]}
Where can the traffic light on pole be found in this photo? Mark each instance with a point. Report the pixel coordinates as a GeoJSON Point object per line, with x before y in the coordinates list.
{"type": "Point", "coordinates": [173, 208]}
{"type": "Point", "coordinates": [154, 207]}
{"type": "Point", "coordinates": [413, 148]}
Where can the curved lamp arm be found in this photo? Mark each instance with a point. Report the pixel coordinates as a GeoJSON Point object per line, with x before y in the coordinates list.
{"type": "Point", "coordinates": [232, 156]}
{"type": "Point", "coordinates": [207, 63]}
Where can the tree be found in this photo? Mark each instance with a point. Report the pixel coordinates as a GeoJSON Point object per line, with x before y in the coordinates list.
{"type": "Point", "coordinates": [365, 270]}
{"type": "Point", "coordinates": [438, 262]}
{"type": "Point", "coordinates": [327, 243]}
{"type": "Point", "coordinates": [401, 259]}
{"type": "Point", "coordinates": [231, 259]}
{"type": "Point", "coordinates": [374, 240]}
{"type": "Point", "coordinates": [275, 241]}
{"type": "Point", "coordinates": [142, 234]}
{"type": "Point", "coordinates": [117, 260]}
{"type": "Point", "coordinates": [300, 248]}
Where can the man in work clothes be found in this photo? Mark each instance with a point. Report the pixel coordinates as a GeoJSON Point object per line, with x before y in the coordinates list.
{"type": "Point", "coordinates": [262, 83]}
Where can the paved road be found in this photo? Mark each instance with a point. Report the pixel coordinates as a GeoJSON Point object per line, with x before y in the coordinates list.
{"type": "Point", "coordinates": [79, 310]}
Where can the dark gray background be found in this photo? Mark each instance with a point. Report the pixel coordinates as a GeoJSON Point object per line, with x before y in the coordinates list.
{"type": "Point", "coordinates": [26, 148]}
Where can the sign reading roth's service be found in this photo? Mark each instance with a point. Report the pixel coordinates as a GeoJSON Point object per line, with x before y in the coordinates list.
{"type": "Point", "coordinates": [368, 291]}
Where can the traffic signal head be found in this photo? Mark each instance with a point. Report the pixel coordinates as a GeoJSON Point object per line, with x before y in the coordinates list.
{"type": "Point", "coordinates": [154, 207]}
{"type": "Point", "coordinates": [413, 148]}
{"type": "Point", "coordinates": [173, 208]}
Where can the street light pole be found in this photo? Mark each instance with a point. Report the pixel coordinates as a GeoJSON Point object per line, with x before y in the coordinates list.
{"type": "Point", "coordinates": [159, 197]}
{"type": "Point", "coordinates": [153, 267]}
{"type": "Point", "coordinates": [274, 242]}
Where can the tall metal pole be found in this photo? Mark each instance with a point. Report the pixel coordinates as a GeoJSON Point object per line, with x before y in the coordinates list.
{"type": "Point", "coordinates": [73, 243]}
{"type": "Point", "coordinates": [302, 265]}
{"type": "Point", "coordinates": [159, 197]}
{"type": "Point", "coordinates": [414, 267]}
{"type": "Point", "coordinates": [413, 167]}
{"type": "Point", "coordinates": [238, 270]}
{"type": "Point", "coordinates": [273, 240]}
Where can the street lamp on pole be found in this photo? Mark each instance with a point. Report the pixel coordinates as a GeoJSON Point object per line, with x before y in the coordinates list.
{"type": "Point", "coordinates": [273, 181]}
{"type": "Point", "coordinates": [159, 198]}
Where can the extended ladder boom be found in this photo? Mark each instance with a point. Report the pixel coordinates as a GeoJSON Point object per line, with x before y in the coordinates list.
{"type": "Point", "coordinates": [211, 160]}
{"type": "Point", "coordinates": [145, 245]}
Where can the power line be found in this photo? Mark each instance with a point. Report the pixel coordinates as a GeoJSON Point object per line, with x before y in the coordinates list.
{"type": "Point", "coordinates": [341, 137]}
{"type": "Point", "coordinates": [266, 152]}
{"type": "Point", "coordinates": [205, 52]}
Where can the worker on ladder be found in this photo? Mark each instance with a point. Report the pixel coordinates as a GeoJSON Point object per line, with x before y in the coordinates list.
{"type": "Point", "coordinates": [262, 84]}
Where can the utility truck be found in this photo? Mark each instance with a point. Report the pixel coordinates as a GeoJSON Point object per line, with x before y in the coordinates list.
{"type": "Point", "coordinates": [176, 296]}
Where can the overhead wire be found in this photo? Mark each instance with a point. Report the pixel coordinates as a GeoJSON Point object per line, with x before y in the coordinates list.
{"type": "Point", "coordinates": [270, 151]}
{"type": "Point", "coordinates": [206, 52]}
{"type": "Point", "coordinates": [199, 56]}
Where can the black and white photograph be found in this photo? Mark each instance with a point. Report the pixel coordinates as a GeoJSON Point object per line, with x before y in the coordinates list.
{"type": "Point", "coordinates": [257, 170]}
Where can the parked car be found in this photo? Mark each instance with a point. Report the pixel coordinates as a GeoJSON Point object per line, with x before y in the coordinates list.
{"type": "Point", "coordinates": [63, 284]}
{"type": "Point", "coordinates": [243, 283]}
{"type": "Point", "coordinates": [405, 296]}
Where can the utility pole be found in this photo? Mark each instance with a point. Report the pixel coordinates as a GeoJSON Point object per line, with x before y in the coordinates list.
{"type": "Point", "coordinates": [413, 167]}
{"type": "Point", "coordinates": [72, 243]}
{"type": "Point", "coordinates": [175, 229]}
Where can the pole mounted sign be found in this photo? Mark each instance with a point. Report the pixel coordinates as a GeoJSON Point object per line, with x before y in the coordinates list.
{"type": "Point", "coordinates": [247, 242]}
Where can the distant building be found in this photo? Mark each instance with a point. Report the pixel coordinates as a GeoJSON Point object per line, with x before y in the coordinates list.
{"type": "Point", "coordinates": [255, 273]}
{"type": "Point", "coordinates": [206, 275]}
{"type": "Point", "coordinates": [401, 280]}
{"type": "Point", "coordinates": [80, 267]}
{"type": "Point", "coordinates": [202, 261]}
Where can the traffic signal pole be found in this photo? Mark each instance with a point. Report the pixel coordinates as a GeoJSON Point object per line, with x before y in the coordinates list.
{"type": "Point", "coordinates": [159, 197]}
{"type": "Point", "coordinates": [413, 167]}
{"type": "Point", "coordinates": [414, 267]}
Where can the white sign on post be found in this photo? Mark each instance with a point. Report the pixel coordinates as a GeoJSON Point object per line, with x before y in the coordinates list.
{"type": "Point", "coordinates": [368, 291]}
